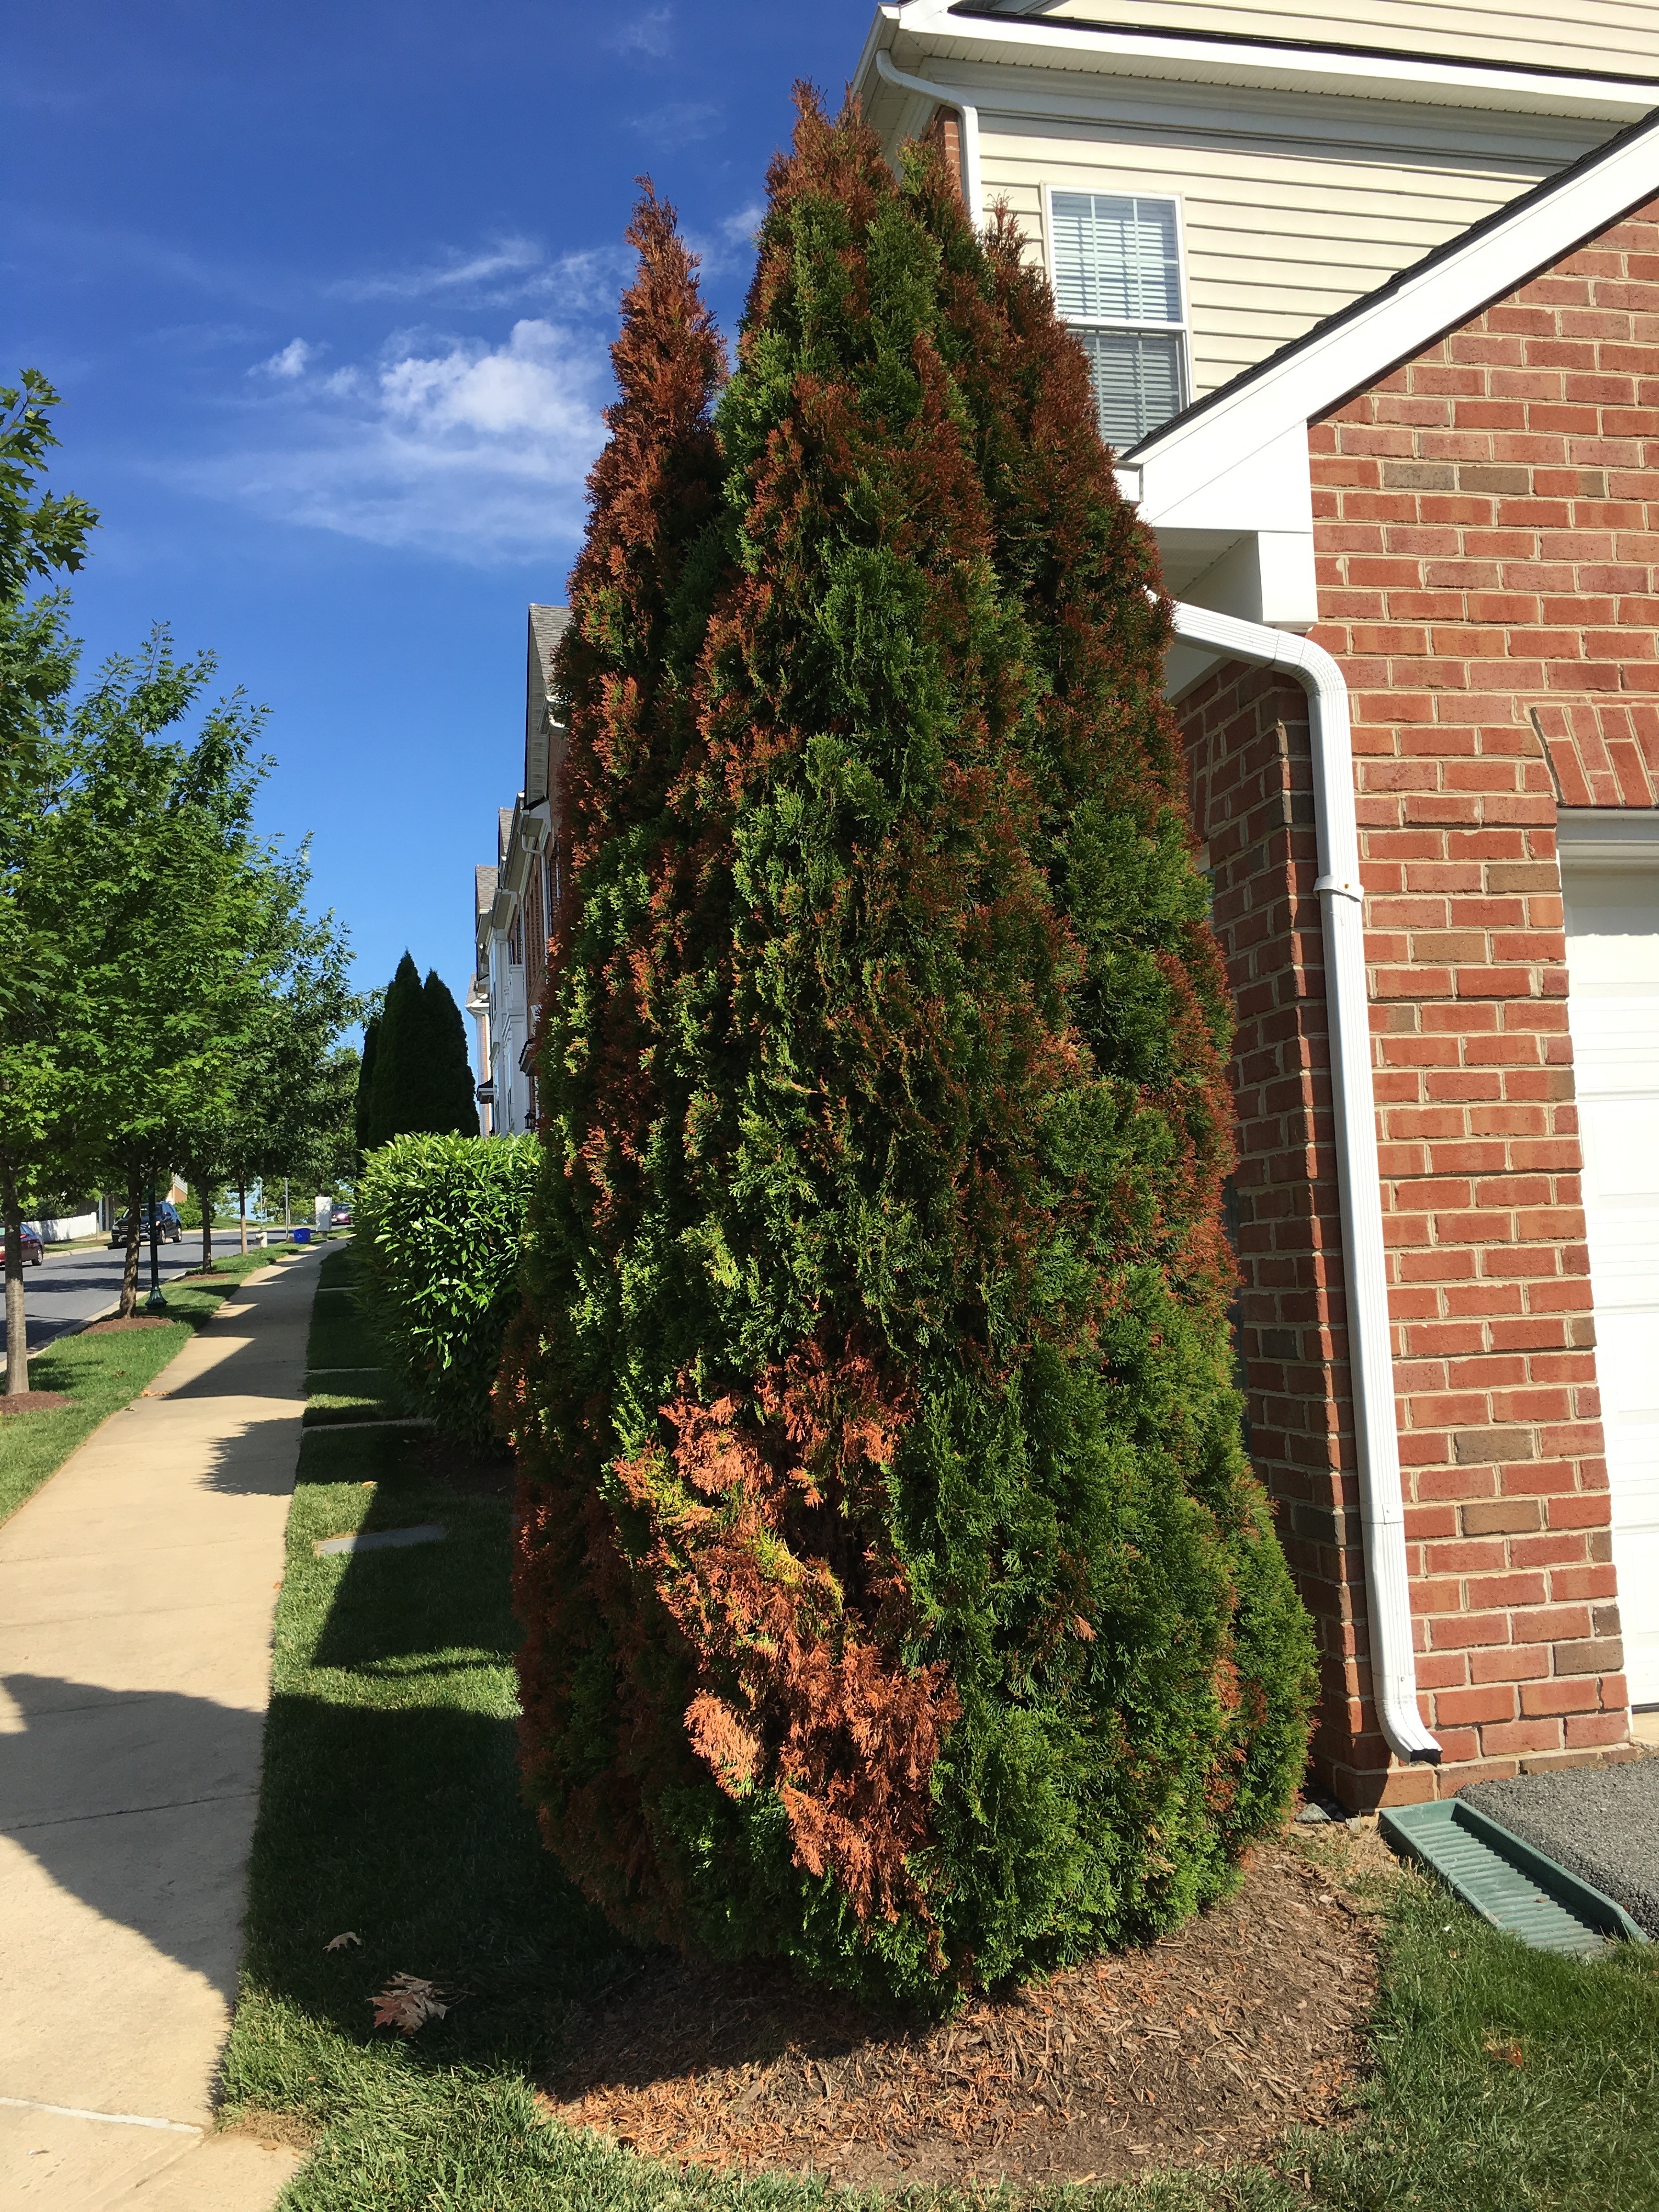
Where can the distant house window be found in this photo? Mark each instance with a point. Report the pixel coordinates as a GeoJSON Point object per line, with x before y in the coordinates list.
{"type": "Point", "coordinates": [1117, 282]}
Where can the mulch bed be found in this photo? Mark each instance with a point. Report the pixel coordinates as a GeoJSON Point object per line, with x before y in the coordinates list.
{"type": "Point", "coordinates": [132, 1321]}
{"type": "Point", "coordinates": [1205, 2046]}
{"type": "Point", "coordinates": [33, 1401]}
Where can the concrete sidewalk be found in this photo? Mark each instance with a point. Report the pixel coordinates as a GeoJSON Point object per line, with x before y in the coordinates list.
{"type": "Point", "coordinates": [136, 1593]}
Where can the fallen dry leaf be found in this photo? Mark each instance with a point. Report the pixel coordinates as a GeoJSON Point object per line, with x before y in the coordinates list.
{"type": "Point", "coordinates": [346, 1942]}
{"type": "Point", "coordinates": [407, 2003]}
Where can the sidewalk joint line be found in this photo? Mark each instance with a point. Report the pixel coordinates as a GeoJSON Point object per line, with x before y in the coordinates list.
{"type": "Point", "coordinates": [125, 1812]}
{"type": "Point", "coordinates": [115, 2119]}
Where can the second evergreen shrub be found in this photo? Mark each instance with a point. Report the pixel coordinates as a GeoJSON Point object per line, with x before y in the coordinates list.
{"type": "Point", "coordinates": [897, 1596]}
{"type": "Point", "coordinates": [439, 1227]}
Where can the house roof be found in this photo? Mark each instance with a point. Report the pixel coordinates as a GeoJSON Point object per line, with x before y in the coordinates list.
{"type": "Point", "coordinates": [938, 36]}
{"type": "Point", "coordinates": [483, 890]}
{"type": "Point", "coordinates": [1272, 42]}
{"type": "Point", "coordinates": [547, 627]}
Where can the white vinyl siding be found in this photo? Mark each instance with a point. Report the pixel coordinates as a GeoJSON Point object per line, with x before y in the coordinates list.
{"type": "Point", "coordinates": [1613, 960]}
{"type": "Point", "coordinates": [1278, 232]}
{"type": "Point", "coordinates": [1619, 35]}
{"type": "Point", "coordinates": [1116, 270]}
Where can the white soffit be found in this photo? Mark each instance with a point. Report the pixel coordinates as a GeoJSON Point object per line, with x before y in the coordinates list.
{"type": "Point", "coordinates": [928, 35]}
{"type": "Point", "coordinates": [1227, 459]}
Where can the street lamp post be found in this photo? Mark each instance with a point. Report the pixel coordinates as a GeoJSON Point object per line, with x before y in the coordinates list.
{"type": "Point", "coordinates": [154, 1303]}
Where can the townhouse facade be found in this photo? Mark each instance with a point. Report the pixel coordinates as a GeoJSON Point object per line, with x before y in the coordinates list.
{"type": "Point", "coordinates": [513, 903]}
{"type": "Point", "coordinates": [1371, 305]}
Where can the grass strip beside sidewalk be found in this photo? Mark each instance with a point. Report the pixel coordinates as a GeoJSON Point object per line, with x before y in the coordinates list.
{"type": "Point", "coordinates": [99, 1374]}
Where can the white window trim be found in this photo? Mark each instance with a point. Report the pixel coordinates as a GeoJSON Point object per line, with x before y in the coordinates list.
{"type": "Point", "coordinates": [1607, 837]}
{"type": "Point", "coordinates": [1183, 329]}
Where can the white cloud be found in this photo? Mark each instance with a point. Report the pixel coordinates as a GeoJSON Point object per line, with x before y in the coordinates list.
{"type": "Point", "coordinates": [646, 34]}
{"type": "Point", "coordinates": [680, 123]}
{"type": "Point", "coordinates": [446, 444]}
{"type": "Point", "coordinates": [509, 271]}
{"type": "Point", "coordinates": [739, 229]}
{"type": "Point", "coordinates": [290, 362]}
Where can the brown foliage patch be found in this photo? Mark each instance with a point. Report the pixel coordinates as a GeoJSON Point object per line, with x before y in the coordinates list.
{"type": "Point", "coordinates": [33, 1401]}
{"type": "Point", "coordinates": [117, 1321]}
{"type": "Point", "coordinates": [802, 1688]}
{"type": "Point", "coordinates": [1207, 2045]}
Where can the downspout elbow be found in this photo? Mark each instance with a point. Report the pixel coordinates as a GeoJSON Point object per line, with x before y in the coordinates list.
{"type": "Point", "coordinates": [946, 97]}
{"type": "Point", "coordinates": [1382, 1506]}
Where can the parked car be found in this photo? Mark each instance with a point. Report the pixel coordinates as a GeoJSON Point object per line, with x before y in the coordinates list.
{"type": "Point", "coordinates": [171, 1227]}
{"type": "Point", "coordinates": [34, 1252]}
{"type": "Point", "coordinates": [341, 1218]}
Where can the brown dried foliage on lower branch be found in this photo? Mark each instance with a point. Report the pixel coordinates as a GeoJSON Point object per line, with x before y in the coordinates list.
{"type": "Point", "coordinates": [1207, 2045]}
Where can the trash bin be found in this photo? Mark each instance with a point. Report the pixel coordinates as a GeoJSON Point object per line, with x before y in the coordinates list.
{"type": "Point", "coordinates": [303, 1237]}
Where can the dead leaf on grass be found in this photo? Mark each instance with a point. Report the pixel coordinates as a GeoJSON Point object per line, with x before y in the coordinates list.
{"type": "Point", "coordinates": [346, 1942]}
{"type": "Point", "coordinates": [407, 2003]}
{"type": "Point", "coordinates": [1510, 2053]}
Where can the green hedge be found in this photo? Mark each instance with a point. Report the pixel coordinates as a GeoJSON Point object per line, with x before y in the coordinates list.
{"type": "Point", "coordinates": [439, 1223]}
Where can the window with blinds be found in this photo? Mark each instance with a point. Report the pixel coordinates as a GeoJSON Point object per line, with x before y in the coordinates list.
{"type": "Point", "coordinates": [1117, 280]}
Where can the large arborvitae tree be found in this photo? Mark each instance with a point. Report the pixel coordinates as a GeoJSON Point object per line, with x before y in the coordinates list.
{"type": "Point", "coordinates": [899, 1599]}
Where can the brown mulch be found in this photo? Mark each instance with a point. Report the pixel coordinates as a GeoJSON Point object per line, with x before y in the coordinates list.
{"type": "Point", "coordinates": [132, 1321]}
{"type": "Point", "coordinates": [33, 1401]}
{"type": "Point", "coordinates": [1205, 2046]}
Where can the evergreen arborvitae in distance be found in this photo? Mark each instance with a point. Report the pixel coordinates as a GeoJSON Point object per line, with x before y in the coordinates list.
{"type": "Point", "coordinates": [899, 1598]}
{"type": "Point", "coordinates": [363, 1120]}
{"type": "Point", "coordinates": [422, 1080]}
{"type": "Point", "coordinates": [451, 1106]}
{"type": "Point", "coordinates": [394, 1098]}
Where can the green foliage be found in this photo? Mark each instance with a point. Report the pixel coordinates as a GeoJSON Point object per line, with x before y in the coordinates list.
{"type": "Point", "coordinates": [40, 532]}
{"type": "Point", "coordinates": [418, 1078]}
{"type": "Point", "coordinates": [897, 1594]}
{"type": "Point", "coordinates": [363, 1106]}
{"type": "Point", "coordinates": [438, 1224]}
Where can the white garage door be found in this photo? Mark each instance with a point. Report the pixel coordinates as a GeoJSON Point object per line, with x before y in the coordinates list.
{"type": "Point", "coordinates": [1610, 872]}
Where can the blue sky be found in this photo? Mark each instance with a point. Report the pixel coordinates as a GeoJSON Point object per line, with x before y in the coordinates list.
{"type": "Point", "coordinates": [327, 291]}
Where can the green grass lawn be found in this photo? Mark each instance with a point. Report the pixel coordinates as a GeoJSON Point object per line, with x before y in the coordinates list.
{"type": "Point", "coordinates": [101, 1374]}
{"type": "Point", "coordinates": [1505, 2081]}
{"type": "Point", "coordinates": [344, 1377]}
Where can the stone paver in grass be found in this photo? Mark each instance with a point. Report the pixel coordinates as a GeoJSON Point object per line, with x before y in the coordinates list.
{"type": "Point", "coordinates": [381, 1540]}
{"type": "Point", "coordinates": [136, 1593]}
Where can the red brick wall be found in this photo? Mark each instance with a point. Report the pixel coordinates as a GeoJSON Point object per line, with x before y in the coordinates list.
{"type": "Point", "coordinates": [1487, 534]}
{"type": "Point", "coordinates": [1252, 799]}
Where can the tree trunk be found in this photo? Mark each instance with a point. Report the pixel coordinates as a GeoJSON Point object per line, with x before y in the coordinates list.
{"type": "Point", "coordinates": [17, 1339]}
{"type": "Point", "coordinates": [130, 1260]}
{"type": "Point", "coordinates": [207, 1225]}
{"type": "Point", "coordinates": [242, 1211]}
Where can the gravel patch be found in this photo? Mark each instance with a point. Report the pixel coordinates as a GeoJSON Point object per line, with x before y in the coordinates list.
{"type": "Point", "coordinates": [1601, 1823]}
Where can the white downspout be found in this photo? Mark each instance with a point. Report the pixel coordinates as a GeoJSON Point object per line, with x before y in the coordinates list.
{"type": "Point", "coordinates": [1382, 1508]}
{"type": "Point", "coordinates": [969, 114]}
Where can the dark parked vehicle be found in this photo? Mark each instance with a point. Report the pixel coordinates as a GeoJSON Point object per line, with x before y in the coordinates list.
{"type": "Point", "coordinates": [171, 1227]}
{"type": "Point", "coordinates": [34, 1252]}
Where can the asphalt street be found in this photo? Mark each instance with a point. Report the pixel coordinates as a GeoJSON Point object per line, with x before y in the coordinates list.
{"type": "Point", "coordinates": [69, 1287]}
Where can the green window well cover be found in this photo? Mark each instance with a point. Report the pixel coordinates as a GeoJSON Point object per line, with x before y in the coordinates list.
{"type": "Point", "coordinates": [1507, 1881]}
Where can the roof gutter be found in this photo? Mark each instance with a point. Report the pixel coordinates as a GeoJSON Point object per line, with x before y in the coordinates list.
{"type": "Point", "coordinates": [1381, 1506]}
{"type": "Point", "coordinates": [946, 97]}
